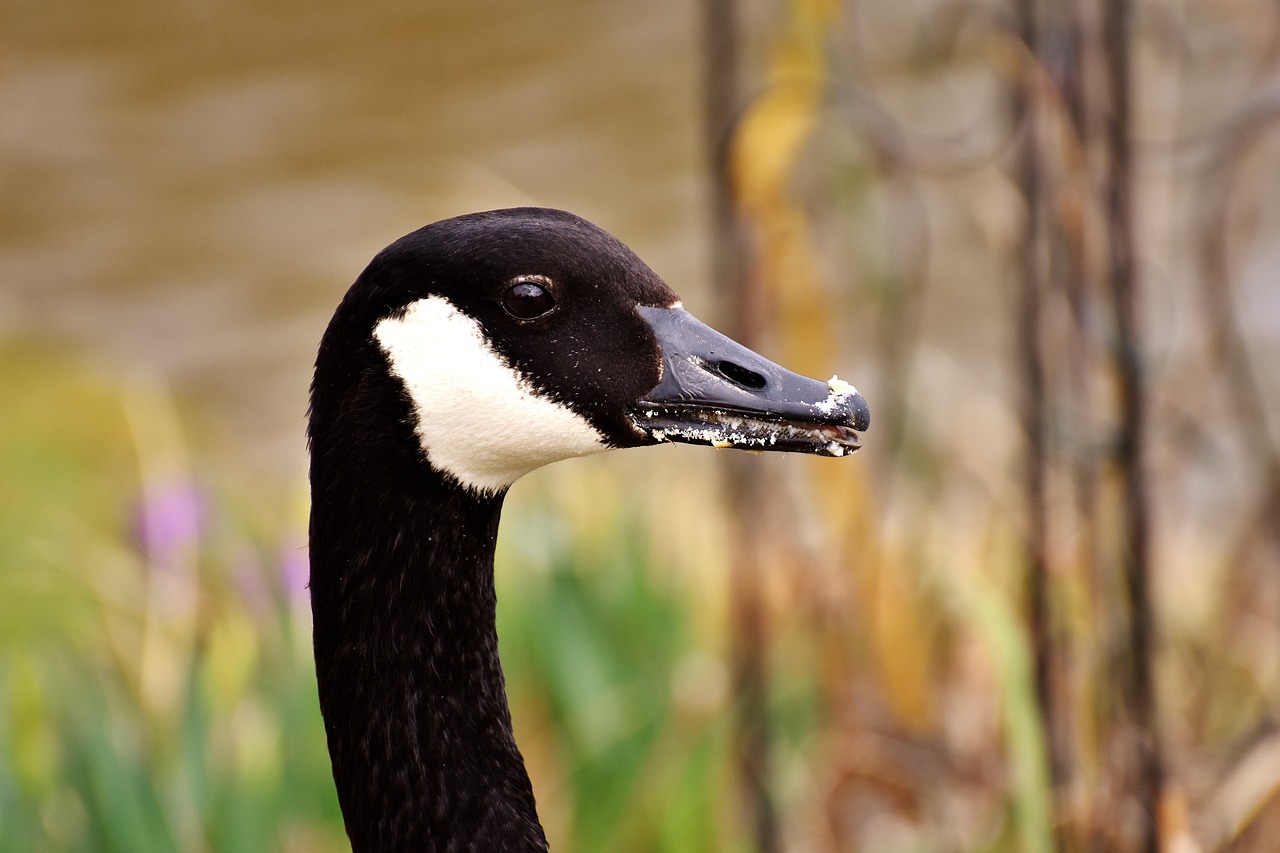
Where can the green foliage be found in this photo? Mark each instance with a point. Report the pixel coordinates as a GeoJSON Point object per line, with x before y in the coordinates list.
{"type": "Point", "coordinates": [592, 642]}
{"type": "Point", "coordinates": [156, 684]}
{"type": "Point", "coordinates": [141, 707]}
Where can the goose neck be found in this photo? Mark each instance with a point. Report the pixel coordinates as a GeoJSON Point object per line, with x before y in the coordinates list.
{"type": "Point", "coordinates": [410, 684]}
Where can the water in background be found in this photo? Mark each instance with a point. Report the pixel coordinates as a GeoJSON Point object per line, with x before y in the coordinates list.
{"type": "Point", "coordinates": [189, 188]}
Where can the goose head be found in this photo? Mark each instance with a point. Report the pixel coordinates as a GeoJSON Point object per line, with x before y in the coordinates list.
{"type": "Point", "coordinates": [514, 338]}
{"type": "Point", "coordinates": [467, 354]}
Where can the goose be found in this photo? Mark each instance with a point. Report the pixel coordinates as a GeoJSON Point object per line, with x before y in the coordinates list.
{"type": "Point", "coordinates": [467, 354]}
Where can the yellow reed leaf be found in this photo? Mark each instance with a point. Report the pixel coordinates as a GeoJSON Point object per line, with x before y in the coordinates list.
{"type": "Point", "coordinates": [901, 643]}
{"type": "Point", "coordinates": [232, 658]}
{"type": "Point", "coordinates": [766, 149]}
{"type": "Point", "coordinates": [777, 126]}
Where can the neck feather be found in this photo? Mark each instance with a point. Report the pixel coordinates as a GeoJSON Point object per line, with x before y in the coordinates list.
{"type": "Point", "coordinates": [406, 651]}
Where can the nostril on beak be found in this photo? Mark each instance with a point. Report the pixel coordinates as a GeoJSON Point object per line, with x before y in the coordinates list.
{"type": "Point", "coordinates": [739, 375]}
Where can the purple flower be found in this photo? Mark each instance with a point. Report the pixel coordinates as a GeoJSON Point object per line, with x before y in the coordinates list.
{"type": "Point", "coordinates": [168, 519]}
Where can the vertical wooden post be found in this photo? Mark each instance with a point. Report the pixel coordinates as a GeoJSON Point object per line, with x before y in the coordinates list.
{"type": "Point", "coordinates": [1031, 178]}
{"type": "Point", "coordinates": [1130, 450]}
{"type": "Point", "coordinates": [744, 481]}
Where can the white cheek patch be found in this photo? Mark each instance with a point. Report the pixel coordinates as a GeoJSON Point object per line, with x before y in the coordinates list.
{"type": "Point", "coordinates": [478, 419]}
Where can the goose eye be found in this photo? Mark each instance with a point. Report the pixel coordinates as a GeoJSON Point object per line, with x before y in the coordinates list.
{"type": "Point", "coordinates": [526, 300]}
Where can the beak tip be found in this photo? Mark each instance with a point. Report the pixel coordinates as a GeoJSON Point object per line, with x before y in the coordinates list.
{"type": "Point", "coordinates": [860, 413]}
{"type": "Point", "coordinates": [844, 399]}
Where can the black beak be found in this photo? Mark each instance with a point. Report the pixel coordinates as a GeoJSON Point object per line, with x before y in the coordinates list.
{"type": "Point", "coordinates": [718, 392]}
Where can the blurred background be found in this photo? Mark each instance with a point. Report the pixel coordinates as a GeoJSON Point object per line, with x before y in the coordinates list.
{"type": "Point", "coordinates": [1039, 611]}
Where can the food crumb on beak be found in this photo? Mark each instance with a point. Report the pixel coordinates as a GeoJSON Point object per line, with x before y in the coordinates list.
{"type": "Point", "coordinates": [839, 387]}
{"type": "Point", "coordinates": [840, 392]}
